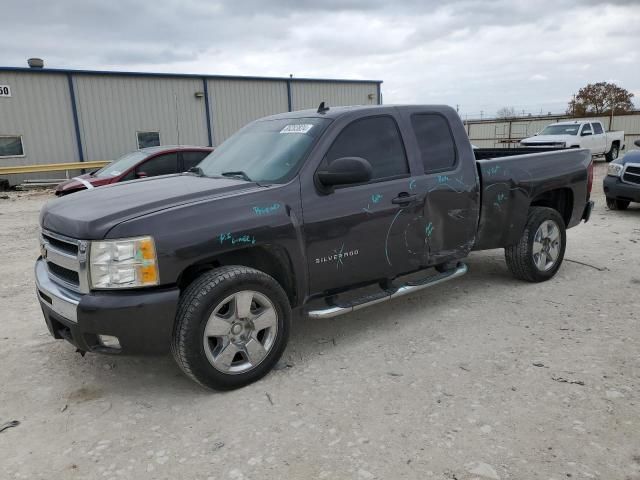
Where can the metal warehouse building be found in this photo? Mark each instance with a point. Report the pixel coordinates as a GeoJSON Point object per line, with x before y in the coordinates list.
{"type": "Point", "coordinates": [57, 116]}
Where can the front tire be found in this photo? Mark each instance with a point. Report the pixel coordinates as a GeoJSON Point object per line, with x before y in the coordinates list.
{"type": "Point", "coordinates": [231, 328]}
{"type": "Point", "coordinates": [615, 204]}
{"type": "Point", "coordinates": [612, 154]}
{"type": "Point", "coordinates": [539, 252]}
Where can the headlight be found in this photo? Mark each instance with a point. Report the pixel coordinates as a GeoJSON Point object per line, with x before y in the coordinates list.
{"type": "Point", "coordinates": [614, 169]}
{"type": "Point", "coordinates": [125, 263]}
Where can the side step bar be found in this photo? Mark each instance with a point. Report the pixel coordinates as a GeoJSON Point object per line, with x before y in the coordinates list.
{"type": "Point", "coordinates": [410, 287]}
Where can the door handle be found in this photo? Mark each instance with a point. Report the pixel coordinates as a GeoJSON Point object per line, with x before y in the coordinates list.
{"type": "Point", "coordinates": [404, 199]}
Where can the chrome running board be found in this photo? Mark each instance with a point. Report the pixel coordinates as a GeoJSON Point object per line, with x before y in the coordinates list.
{"type": "Point", "coordinates": [384, 295]}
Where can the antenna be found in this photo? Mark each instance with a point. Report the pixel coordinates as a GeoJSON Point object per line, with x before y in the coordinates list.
{"type": "Point", "coordinates": [322, 108]}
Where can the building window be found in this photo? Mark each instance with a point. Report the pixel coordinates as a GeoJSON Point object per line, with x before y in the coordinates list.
{"type": "Point", "coordinates": [11, 146]}
{"type": "Point", "coordinates": [148, 139]}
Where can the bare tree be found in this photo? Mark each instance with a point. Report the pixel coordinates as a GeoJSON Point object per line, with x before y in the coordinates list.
{"type": "Point", "coordinates": [506, 112]}
{"type": "Point", "coordinates": [600, 98]}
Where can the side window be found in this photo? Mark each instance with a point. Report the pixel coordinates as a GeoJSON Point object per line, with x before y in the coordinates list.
{"type": "Point", "coordinates": [191, 159]}
{"type": "Point", "coordinates": [11, 146]}
{"type": "Point", "coordinates": [437, 147]}
{"type": "Point", "coordinates": [160, 165]}
{"type": "Point", "coordinates": [586, 128]}
{"type": "Point", "coordinates": [148, 139]}
{"type": "Point", "coordinates": [597, 128]}
{"type": "Point", "coordinates": [375, 139]}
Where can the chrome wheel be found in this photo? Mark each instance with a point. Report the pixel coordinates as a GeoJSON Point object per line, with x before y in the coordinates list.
{"type": "Point", "coordinates": [240, 332]}
{"type": "Point", "coordinates": [546, 245]}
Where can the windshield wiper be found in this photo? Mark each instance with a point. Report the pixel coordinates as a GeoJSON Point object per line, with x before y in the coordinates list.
{"type": "Point", "coordinates": [237, 174]}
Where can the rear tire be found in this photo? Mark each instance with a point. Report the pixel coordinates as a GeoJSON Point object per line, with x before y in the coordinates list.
{"type": "Point", "coordinates": [539, 252]}
{"type": "Point", "coordinates": [231, 328]}
{"type": "Point", "coordinates": [615, 204]}
{"type": "Point", "coordinates": [612, 154]}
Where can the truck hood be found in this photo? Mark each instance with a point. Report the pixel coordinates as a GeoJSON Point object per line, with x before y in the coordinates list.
{"type": "Point", "coordinates": [90, 214]}
{"type": "Point", "coordinates": [549, 139]}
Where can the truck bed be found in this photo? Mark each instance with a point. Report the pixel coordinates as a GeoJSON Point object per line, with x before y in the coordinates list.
{"type": "Point", "coordinates": [510, 182]}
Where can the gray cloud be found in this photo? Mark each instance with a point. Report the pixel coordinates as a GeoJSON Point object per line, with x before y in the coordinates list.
{"type": "Point", "coordinates": [479, 54]}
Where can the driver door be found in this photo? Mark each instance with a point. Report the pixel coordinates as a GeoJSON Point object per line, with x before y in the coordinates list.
{"type": "Point", "coordinates": [364, 232]}
{"type": "Point", "coordinates": [586, 136]}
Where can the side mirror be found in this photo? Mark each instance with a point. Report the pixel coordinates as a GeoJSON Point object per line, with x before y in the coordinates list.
{"type": "Point", "coordinates": [141, 175]}
{"type": "Point", "coordinates": [536, 134]}
{"type": "Point", "coordinates": [345, 171]}
{"type": "Point", "coordinates": [637, 143]}
{"type": "Point", "coordinates": [586, 134]}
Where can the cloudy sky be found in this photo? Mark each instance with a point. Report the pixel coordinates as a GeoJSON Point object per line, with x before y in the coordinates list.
{"type": "Point", "coordinates": [481, 55]}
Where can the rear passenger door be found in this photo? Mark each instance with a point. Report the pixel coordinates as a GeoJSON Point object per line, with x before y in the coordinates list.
{"type": "Point", "coordinates": [450, 211]}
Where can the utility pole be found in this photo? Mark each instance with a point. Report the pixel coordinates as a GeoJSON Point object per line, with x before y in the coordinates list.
{"type": "Point", "coordinates": [613, 107]}
{"type": "Point", "coordinates": [481, 112]}
{"type": "Point", "coordinates": [457, 108]}
{"type": "Point", "coordinates": [573, 106]}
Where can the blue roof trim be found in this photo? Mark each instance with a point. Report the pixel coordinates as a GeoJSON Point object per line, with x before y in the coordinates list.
{"type": "Point", "coordinates": [179, 75]}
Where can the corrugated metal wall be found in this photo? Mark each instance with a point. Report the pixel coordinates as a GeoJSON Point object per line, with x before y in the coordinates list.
{"type": "Point", "coordinates": [39, 109]}
{"type": "Point", "coordinates": [234, 103]}
{"type": "Point", "coordinates": [492, 133]}
{"type": "Point", "coordinates": [112, 109]}
{"type": "Point", "coordinates": [308, 94]}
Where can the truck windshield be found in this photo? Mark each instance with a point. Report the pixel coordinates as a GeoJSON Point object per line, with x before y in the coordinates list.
{"type": "Point", "coordinates": [269, 151]}
{"type": "Point", "coordinates": [120, 165]}
{"type": "Point", "coordinates": [561, 129]}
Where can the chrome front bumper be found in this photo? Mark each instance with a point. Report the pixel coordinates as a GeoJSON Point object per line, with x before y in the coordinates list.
{"type": "Point", "coordinates": [62, 301]}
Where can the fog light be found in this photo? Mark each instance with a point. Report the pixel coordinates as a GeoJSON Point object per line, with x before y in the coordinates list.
{"type": "Point", "coordinates": [109, 341]}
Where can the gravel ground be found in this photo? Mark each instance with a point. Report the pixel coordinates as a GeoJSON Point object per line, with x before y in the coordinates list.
{"type": "Point", "coordinates": [485, 377]}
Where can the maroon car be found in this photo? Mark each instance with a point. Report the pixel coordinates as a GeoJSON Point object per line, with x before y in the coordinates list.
{"type": "Point", "coordinates": [147, 162]}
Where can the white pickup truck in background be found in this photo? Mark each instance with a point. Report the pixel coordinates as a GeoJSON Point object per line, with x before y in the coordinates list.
{"type": "Point", "coordinates": [579, 134]}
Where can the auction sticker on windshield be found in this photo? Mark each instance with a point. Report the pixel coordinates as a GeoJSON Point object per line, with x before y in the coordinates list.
{"type": "Point", "coordinates": [297, 128]}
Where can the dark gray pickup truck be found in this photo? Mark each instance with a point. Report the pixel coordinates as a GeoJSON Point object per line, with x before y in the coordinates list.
{"type": "Point", "coordinates": [318, 212]}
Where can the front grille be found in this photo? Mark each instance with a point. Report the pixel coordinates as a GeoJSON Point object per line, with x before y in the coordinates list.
{"type": "Point", "coordinates": [65, 259]}
{"type": "Point", "coordinates": [65, 246]}
{"type": "Point", "coordinates": [65, 274]}
{"type": "Point", "coordinates": [631, 174]}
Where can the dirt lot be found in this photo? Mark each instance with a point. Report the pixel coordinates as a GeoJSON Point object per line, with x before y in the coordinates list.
{"type": "Point", "coordinates": [486, 377]}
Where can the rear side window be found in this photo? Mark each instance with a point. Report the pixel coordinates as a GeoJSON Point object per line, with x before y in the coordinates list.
{"type": "Point", "coordinates": [191, 159]}
{"type": "Point", "coordinates": [375, 139]}
{"type": "Point", "coordinates": [160, 165]}
{"type": "Point", "coordinates": [597, 128]}
{"type": "Point", "coordinates": [437, 148]}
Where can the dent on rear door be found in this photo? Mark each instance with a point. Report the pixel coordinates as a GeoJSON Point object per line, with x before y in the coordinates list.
{"type": "Point", "coordinates": [451, 193]}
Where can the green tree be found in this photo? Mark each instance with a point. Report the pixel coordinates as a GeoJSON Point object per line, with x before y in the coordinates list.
{"type": "Point", "coordinates": [600, 99]}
